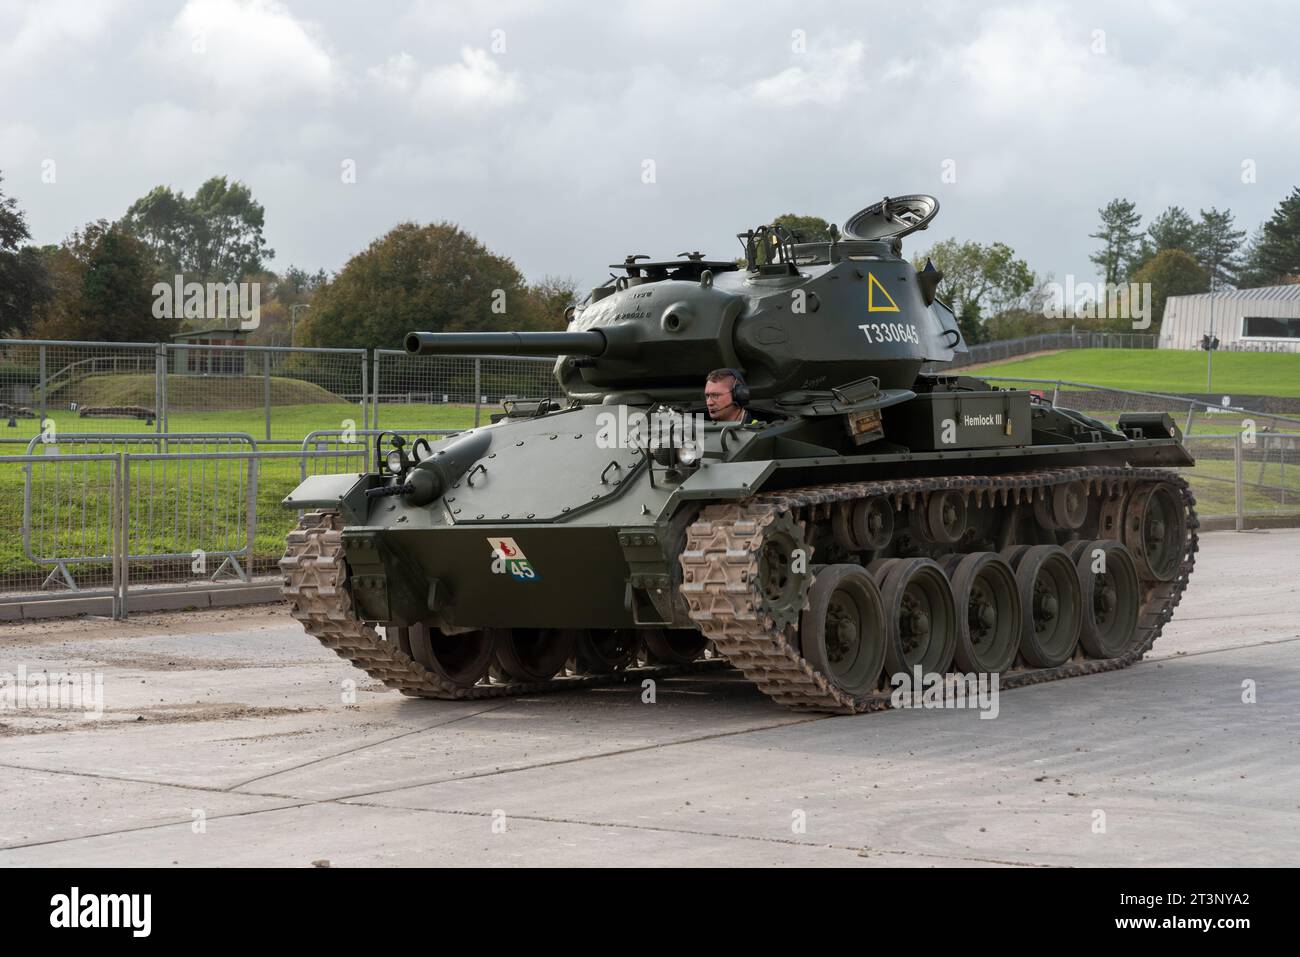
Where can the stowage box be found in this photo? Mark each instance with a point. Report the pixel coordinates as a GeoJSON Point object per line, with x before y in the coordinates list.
{"type": "Point", "coordinates": [937, 421]}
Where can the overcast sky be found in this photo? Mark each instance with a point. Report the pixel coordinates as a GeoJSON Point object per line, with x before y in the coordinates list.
{"type": "Point", "coordinates": [529, 123]}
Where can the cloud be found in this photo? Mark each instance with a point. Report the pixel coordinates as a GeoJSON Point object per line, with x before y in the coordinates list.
{"type": "Point", "coordinates": [476, 82]}
{"type": "Point", "coordinates": [397, 75]}
{"type": "Point", "coordinates": [827, 79]}
{"type": "Point", "coordinates": [249, 48]}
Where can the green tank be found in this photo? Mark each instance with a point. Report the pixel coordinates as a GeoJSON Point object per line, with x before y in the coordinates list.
{"type": "Point", "coordinates": [861, 525]}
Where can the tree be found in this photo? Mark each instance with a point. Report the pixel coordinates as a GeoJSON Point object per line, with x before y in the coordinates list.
{"type": "Point", "coordinates": [1120, 237]}
{"type": "Point", "coordinates": [968, 320]}
{"type": "Point", "coordinates": [1172, 272]}
{"type": "Point", "coordinates": [213, 236]}
{"type": "Point", "coordinates": [436, 277]}
{"type": "Point", "coordinates": [988, 276]}
{"type": "Point", "coordinates": [1274, 255]}
{"type": "Point", "coordinates": [1218, 247]}
{"type": "Point", "coordinates": [1172, 229]}
{"type": "Point", "coordinates": [807, 229]}
{"type": "Point", "coordinates": [102, 279]}
{"type": "Point", "coordinates": [24, 280]}
{"type": "Point", "coordinates": [548, 300]}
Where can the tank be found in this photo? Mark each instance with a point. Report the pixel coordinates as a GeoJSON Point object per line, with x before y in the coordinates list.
{"type": "Point", "coordinates": [862, 525]}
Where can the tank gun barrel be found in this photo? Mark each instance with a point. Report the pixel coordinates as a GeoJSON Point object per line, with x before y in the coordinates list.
{"type": "Point", "coordinates": [589, 343]}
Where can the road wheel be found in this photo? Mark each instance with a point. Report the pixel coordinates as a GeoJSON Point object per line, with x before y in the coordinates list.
{"type": "Point", "coordinates": [843, 630]}
{"type": "Point", "coordinates": [461, 659]}
{"type": "Point", "coordinates": [1051, 605]}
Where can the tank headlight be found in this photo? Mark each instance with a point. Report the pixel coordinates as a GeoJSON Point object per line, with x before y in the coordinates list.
{"type": "Point", "coordinates": [689, 455]}
{"type": "Point", "coordinates": [395, 461]}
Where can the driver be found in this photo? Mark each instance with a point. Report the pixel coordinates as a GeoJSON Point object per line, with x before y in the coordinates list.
{"type": "Point", "coordinates": [725, 395]}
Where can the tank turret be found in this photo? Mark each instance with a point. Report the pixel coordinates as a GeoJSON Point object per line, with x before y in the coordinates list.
{"type": "Point", "coordinates": [791, 315]}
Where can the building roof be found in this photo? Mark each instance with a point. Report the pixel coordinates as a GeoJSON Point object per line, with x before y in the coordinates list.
{"type": "Point", "coordinates": [1273, 293]}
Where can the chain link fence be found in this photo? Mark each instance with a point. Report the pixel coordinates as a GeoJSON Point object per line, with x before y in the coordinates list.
{"type": "Point", "coordinates": [274, 393]}
{"type": "Point", "coordinates": [414, 391]}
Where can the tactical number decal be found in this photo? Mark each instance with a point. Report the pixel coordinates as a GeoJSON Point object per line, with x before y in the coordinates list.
{"type": "Point", "coordinates": [891, 332]}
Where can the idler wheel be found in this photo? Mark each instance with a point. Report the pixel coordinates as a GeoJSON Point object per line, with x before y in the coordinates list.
{"type": "Point", "coordinates": [460, 659]}
{"type": "Point", "coordinates": [1051, 603]}
{"type": "Point", "coordinates": [843, 631]}
{"type": "Point", "coordinates": [674, 646]}
{"type": "Point", "coordinates": [532, 654]}
{"type": "Point", "coordinates": [921, 613]}
{"type": "Point", "coordinates": [1111, 597]}
{"type": "Point", "coordinates": [602, 651]}
{"type": "Point", "coordinates": [1155, 529]}
{"type": "Point", "coordinates": [989, 616]}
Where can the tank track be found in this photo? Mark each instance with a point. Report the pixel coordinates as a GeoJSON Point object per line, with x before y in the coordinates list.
{"type": "Point", "coordinates": [721, 578]}
{"type": "Point", "coordinates": [315, 584]}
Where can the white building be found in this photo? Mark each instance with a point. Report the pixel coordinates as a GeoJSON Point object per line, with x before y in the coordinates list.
{"type": "Point", "coordinates": [1244, 320]}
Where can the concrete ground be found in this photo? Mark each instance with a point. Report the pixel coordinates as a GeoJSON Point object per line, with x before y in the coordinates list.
{"type": "Point", "coordinates": [226, 740]}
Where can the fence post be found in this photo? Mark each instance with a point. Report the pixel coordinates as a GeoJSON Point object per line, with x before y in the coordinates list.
{"type": "Point", "coordinates": [365, 394]}
{"type": "Point", "coordinates": [478, 394]}
{"type": "Point", "coordinates": [266, 389]}
{"type": "Point", "coordinates": [162, 402]}
{"type": "Point", "coordinates": [1191, 414]}
{"type": "Point", "coordinates": [124, 535]}
{"type": "Point", "coordinates": [1240, 496]}
{"type": "Point", "coordinates": [1056, 392]}
{"type": "Point", "coordinates": [254, 468]}
{"type": "Point", "coordinates": [374, 388]}
{"type": "Point", "coordinates": [159, 372]}
{"type": "Point", "coordinates": [41, 351]}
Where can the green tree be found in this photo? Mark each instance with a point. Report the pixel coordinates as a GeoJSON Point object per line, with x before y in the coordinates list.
{"type": "Point", "coordinates": [968, 320]}
{"type": "Point", "coordinates": [1121, 239]}
{"type": "Point", "coordinates": [1218, 247]}
{"type": "Point", "coordinates": [1274, 255]}
{"type": "Point", "coordinates": [436, 277]}
{"type": "Point", "coordinates": [1171, 272]}
{"type": "Point", "coordinates": [24, 280]}
{"type": "Point", "coordinates": [1172, 229]}
{"type": "Point", "coordinates": [102, 279]}
{"type": "Point", "coordinates": [989, 276]}
{"type": "Point", "coordinates": [548, 300]}
{"type": "Point", "coordinates": [807, 229]}
{"type": "Point", "coordinates": [213, 236]}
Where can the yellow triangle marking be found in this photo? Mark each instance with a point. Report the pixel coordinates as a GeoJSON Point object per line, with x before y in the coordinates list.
{"type": "Point", "coordinates": [872, 285]}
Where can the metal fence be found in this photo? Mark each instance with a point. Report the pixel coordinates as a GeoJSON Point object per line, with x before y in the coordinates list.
{"type": "Point", "coordinates": [269, 391]}
{"type": "Point", "coordinates": [102, 525]}
{"type": "Point", "coordinates": [414, 389]}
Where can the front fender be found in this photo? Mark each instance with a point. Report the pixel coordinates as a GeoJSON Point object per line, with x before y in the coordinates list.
{"type": "Point", "coordinates": [344, 493]}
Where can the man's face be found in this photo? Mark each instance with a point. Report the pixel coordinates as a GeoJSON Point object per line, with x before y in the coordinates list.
{"type": "Point", "coordinates": [717, 398]}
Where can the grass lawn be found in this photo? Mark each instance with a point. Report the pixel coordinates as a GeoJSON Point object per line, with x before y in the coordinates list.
{"type": "Point", "coordinates": [1161, 370]}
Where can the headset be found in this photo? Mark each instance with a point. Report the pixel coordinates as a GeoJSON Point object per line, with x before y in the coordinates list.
{"type": "Point", "coordinates": [739, 389]}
